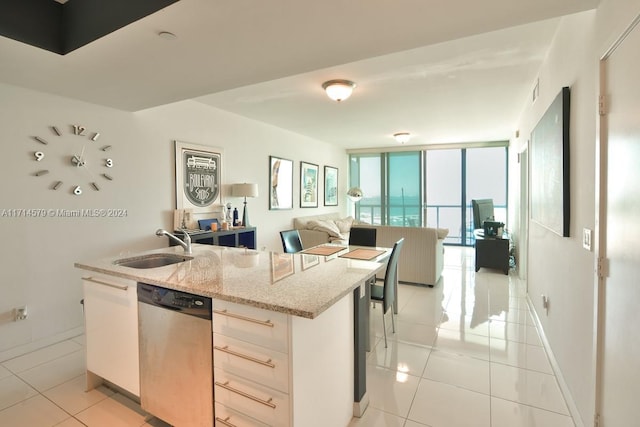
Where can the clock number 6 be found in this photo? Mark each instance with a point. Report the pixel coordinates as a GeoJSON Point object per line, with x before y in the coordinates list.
{"type": "Point", "coordinates": [108, 163]}
{"type": "Point", "coordinates": [77, 191]}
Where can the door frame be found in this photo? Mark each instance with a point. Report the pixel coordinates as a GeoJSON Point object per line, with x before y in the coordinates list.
{"type": "Point", "coordinates": [600, 230]}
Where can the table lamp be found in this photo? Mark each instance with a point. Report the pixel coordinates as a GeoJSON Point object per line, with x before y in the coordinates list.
{"type": "Point", "coordinates": [244, 190]}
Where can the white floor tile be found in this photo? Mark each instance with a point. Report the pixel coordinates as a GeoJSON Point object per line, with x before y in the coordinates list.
{"type": "Point", "coordinates": [55, 372]}
{"type": "Point", "coordinates": [391, 391]}
{"type": "Point", "coordinates": [458, 370]}
{"type": "Point", "coordinates": [399, 356]}
{"type": "Point", "coordinates": [410, 423]}
{"type": "Point", "coordinates": [514, 332]}
{"type": "Point", "coordinates": [414, 333]}
{"type": "Point", "coordinates": [43, 355]}
{"type": "Point", "coordinates": [36, 411]}
{"type": "Point", "coordinates": [70, 422]}
{"type": "Point", "coordinates": [521, 355]}
{"type": "Point", "coordinates": [527, 387]}
{"type": "Point", "coordinates": [443, 405]}
{"type": "Point", "coordinates": [14, 390]}
{"type": "Point", "coordinates": [511, 414]}
{"type": "Point", "coordinates": [73, 397]}
{"type": "Point", "coordinates": [462, 343]}
{"type": "Point", "coordinates": [376, 418]}
{"type": "Point", "coordinates": [115, 411]}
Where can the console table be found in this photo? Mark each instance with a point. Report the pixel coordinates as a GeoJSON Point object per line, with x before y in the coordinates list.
{"type": "Point", "coordinates": [238, 237]}
{"type": "Point", "coordinates": [492, 252]}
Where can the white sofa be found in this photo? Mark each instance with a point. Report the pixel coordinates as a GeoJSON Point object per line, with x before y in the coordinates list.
{"type": "Point", "coordinates": [422, 257]}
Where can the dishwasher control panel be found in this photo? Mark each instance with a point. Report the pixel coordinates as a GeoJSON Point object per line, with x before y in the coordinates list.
{"type": "Point", "coordinates": [194, 305]}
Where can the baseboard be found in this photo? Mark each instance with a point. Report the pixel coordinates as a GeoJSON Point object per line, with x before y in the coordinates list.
{"type": "Point", "coordinates": [36, 345]}
{"type": "Point", "coordinates": [564, 388]}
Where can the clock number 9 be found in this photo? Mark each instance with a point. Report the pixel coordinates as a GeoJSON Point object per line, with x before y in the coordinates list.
{"type": "Point", "coordinates": [39, 155]}
{"type": "Point", "coordinates": [77, 191]}
{"type": "Point", "coordinates": [108, 163]}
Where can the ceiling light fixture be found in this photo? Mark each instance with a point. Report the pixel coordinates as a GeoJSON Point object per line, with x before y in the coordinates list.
{"type": "Point", "coordinates": [338, 89]}
{"type": "Point", "coordinates": [402, 137]}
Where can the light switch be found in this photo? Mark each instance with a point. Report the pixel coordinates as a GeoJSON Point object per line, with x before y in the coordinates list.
{"type": "Point", "coordinates": [586, 239]}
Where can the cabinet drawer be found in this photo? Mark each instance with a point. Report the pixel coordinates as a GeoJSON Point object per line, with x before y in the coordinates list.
{"type": "Point", "coordinates": [226, 417]}
{"type": "Point", "coordinates": [262, 327]}
{"type": "Point", "coordinates": [247, 397]}
{"type": "Point", "coordinates": [260, 364]}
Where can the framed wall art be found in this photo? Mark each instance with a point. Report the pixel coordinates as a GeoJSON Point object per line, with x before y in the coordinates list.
{"type": "Point", "coordinates": [281, 178]}
{"type": "Point", "coordinates": [198, 177]}
{"type": "Point", "coordinates": [549, 158]}
{"type": "Point", "coordinates": [330, 186]}
{"type": "Point", "coordinates": [308, 185]}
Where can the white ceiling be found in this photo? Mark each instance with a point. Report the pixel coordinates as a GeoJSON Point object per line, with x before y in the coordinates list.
{"type": "Point", "coordinates": [454, 71]}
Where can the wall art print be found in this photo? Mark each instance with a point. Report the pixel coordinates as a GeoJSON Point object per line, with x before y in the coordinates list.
{"type": "Point", "coordinates": [198, 177]}
{"type": "Point", "coordinates": [330, 186]}
{"type": "Point", "coordinates": [308, 185]}
{"type": "Point", "coordinates": [281, 178]}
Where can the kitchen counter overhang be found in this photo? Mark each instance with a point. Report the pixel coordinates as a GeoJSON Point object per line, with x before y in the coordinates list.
{"type": "Point", "coordinates": [298, 284]}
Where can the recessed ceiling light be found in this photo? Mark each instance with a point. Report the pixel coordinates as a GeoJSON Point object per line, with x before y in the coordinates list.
{"type": "Point", "coordinates": [167, 35]}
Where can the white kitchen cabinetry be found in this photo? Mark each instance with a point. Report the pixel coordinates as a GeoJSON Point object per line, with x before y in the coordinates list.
{"type": "Point", "coordinates": [281, 370]}
{"type": "Point", "coordinates": [111, 330]}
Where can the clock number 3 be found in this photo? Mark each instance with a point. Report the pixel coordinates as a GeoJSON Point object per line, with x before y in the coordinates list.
{"type": "Point", "coordinates": [108, 163]}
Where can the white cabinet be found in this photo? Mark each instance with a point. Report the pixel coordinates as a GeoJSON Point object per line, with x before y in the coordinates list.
{"type": "Point", "coordinates": [281, 370]}
{"type": "Point", "coordinates": [111, 329]}
{"type": "Point", "coordinates": [251, 365]}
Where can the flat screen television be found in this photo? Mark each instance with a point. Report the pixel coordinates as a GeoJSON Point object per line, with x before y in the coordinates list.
{"type": "Point", "coordinates": [482, 211]}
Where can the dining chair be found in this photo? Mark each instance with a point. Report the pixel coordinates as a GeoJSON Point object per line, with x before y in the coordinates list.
{"type": "Point", "coordinates": [291, 242]}
{"type": "Point", "coordinates": [362, 236]}
{"type": "Point", "coordinates": [386, 293]}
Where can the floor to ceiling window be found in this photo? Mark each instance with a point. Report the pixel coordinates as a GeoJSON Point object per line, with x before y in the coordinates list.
{"type": "Point", "coordinates": [433, 187]}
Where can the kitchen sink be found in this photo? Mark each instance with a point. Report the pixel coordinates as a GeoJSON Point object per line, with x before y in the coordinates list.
{"type": "Point", "coordinates": [152, 260]}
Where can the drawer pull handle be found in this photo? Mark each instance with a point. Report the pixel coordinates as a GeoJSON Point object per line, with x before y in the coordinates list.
{"type": "Point", "coordinates": [111, 285]}
{"type": "Point", "coordinates": [225, 421]}
{"type": "Point", "coordinates": [226, 386]}
{"type": "Point", "coordinates": [244, 356]}
{"type": "Point", "coordinates": [248, 319]}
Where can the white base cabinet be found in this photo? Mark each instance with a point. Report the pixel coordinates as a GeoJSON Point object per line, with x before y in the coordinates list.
{"type": "Point", "coordinates": [275, 369]}
{"type": "Point", "coordinates": [111, 330]}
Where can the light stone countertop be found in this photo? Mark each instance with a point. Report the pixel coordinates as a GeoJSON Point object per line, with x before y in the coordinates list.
{"type": "Point", "coordinates": [298, 284]}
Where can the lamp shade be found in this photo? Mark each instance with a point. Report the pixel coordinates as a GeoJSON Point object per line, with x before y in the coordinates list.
{"type": "Point", "coordinates": [338, 90]}
{"type": "Point", "coordinates": [354, 194]}
{"type": "Point", "coordinates": [244, 190]}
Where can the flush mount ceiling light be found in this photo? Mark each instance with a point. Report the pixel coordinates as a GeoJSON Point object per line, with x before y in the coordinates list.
{"type": "Point", "coordinates": [338, 89]}
{"type": "Point", "coordinates": [402, 137]}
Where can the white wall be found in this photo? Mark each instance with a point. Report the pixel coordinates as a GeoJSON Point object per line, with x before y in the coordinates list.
{"type": "Point", "coordinates": [559, 267]}
{"type": "Point", "coordinates": [38, 253]}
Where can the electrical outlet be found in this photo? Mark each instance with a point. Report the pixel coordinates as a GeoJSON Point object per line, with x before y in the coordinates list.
{"type": "Point", "coordinates": [545, 303]}
{"type": "Point", "coordinates": [20, 313]}
{"type": "Point", "coordinates": [586, 239]}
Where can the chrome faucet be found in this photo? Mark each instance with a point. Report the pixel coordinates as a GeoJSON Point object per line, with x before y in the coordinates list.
{"type": "Point", "coordinates": [186, 244]}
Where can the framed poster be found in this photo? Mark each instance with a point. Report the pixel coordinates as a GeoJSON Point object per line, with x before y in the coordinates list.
{"type": "Point", "coordinates": [308, 185]}
{"type": "Point", "coordinates": [281, 176]}
{"type": "Point", "coordinates": [549, 167]}
{"type": "Point", "coordinates": [330, 186]}
{"type": "Point", "coordinates": [198, 177]}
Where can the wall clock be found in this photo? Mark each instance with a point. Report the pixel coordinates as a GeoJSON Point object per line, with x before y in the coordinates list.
{"type": "Point", "coordinates": [81, 152]}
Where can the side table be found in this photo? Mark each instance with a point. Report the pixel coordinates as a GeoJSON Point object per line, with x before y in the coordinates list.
{"type": "Point", "coordinates": [492, 252]}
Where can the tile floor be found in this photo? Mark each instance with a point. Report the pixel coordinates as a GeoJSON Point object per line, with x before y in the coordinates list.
{"type": "Point", "coordinates": [465, 354]}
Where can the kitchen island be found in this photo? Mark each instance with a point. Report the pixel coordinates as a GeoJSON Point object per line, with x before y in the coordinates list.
{"type": "Point", "coordinates": [308, 303]}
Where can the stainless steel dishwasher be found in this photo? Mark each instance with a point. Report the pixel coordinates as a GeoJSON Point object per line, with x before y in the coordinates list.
{"type": "Point", "coordinates": [176, 374]}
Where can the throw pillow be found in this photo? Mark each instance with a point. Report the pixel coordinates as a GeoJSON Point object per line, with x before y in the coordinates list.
{"type": "Point", "coordinates": [327, 226]}
{"type": "Point", "coordinates": [344, 224]}
{"type": "Point", "coordinates": [442, 233]}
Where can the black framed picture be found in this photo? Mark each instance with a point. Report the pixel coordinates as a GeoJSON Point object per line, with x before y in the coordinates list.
{"type": "Point", "coordinates": [330, 186]}
{"type": "Point", "coordinates": [281, 178]}
{"type": "Point", "coordinates": [549, 150]}
{"type": "Point", "coordinates": [308, 185]}
{"type": "Point", "coordinates": [198, 176]}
